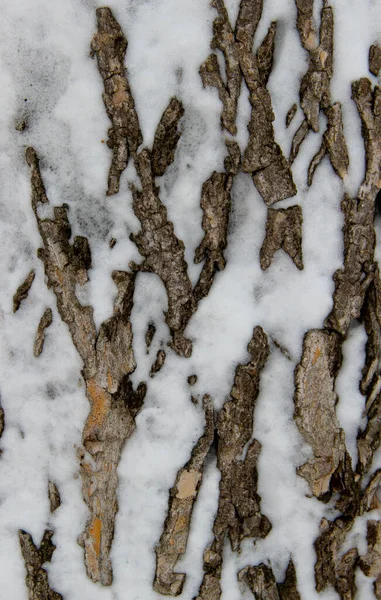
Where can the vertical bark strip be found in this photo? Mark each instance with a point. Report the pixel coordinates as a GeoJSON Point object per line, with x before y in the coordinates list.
{"type": "Point", "coordinates": [108, 360]}
{"type": "Point", "coordinates": [315, 94]}
{"type": "Point", "coordinates": [45, 322]}
{"type": "Point", "coordinates": [182, 498]}
{"type": "Point", "coordinates": [36, 577]}
{"type": "Point", "coordinates": [238, 514]}
{"type": "Point", "coordinates": [110, 45]}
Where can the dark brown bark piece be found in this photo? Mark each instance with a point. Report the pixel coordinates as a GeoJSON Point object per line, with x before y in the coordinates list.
{"type": "Point", "coordinates": [283, 230]}
{"type": "Point", "coordinates": [315, 400]}
{"type": "Point", "coordinates": [305, 25]}
{"type": "Point", "coordinates": [265, 54]}
{"type": "Point", "coordinates": [182, 498]}
{"type": "Point", "coordinates": [151, 330]}
{"type": "Point", "coordinates": [109, 45]}
{"type": "Point", "coordinates": [224, 40]}
{"type": "Point", "coordinates": [346, 575]}
{"type": "Point", "coordinates": [108, 360]}
{"type": "Point", "coordinates": [163, 253]}
{"type": "Point", "coordinates": [371, 563]}
{"type": "Point", "coordinates": [249, 15]}
{"type": "Point", "coordinates": [36, 577]}
{"type": "Point", "coordinates": [262, 583]}
{"type": "Point", "coordinates": [263, 157]}
{"type": "Point", "coordinates": [166, 138]}
{"type": "Point", "coordinates": [45, 322]}
{"type": "Point", "coordinates": [333, 144]}
{"type": "Point", "coordinates": [291, 114]}
{"type": "Point", "coordinates": [23, 290]}
{"type": "Point", "coordinates": [192, 380]}
{"type": "Point", "coordinates": [368, 440]}
{"type": "Point", "coordinates": [238, 513]}
{"type": "Point", "coordinates": [216, 204]}
{"type": "Point", "coordinates": [352, 281]}
{"type": "Point", "coordinates": [371, 319]}
{"type": "Point", "coordinates": [328, 567]}
{"type": "Point", "coordinates": [298, 139]}
{"type": "Point", "coordinates": [54, 496]}
{"type": "Point", "coordinates": [158, 364]}
{"type": "Point", "coordinates": [375, 59]}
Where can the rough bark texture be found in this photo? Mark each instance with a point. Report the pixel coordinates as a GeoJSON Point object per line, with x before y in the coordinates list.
{"type": "Point", "coordinates": [45, 322]}
{"type": "Point", "coordinates": [110, 45]}
{"type": "Point", "coordinates": [238, 513]}
{"type": "Point", "coordinates": [182, 498]}
{"type": "Point", "coordinates": [315, 401]}
{"type": "Point", "coordinates": [151, 330]}
{"type": "Point", "coordinates": [291, 114]}
{"type": "Point", "coordinates": [315, 95]}
{"type": "Point", "coordinates": [163, 252]}
{"type": "Point", "coordinates": [216, 205]}
{"type": "Point", "coordinates": [283, 230]}
{"type": "Point", "coordinates": [108, 361]}
{"type": "Point", "coordinates": [23, 291]}
{"type": "Point", "coordinates": [263, 157]}
{"type": "Point", "coordinates": [262, 583]}
{"type": "Point", "coordinates": [36, 577]}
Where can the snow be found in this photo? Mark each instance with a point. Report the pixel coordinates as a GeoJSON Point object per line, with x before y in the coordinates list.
{"type": "Point", "coordinates": [48, 78]}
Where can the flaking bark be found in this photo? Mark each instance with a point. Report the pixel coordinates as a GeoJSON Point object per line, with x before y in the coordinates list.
{"type": "Point", "coordinates": [315, 95]}
{"type": "Point", "coordinates": [45, 322]}
{"type": "Point", "coordinates": [216, 205]}
{"type": "Point", "coordinates": [36, 577]}
{"type": "Point", "coordinates": [262, 583]}
{"type": "Point", "coordinates": [375, 59]}
{"type": "Point", "coordinates": [159, 363]}
{"type": "Point", "coordinates": [238, 514]}
{"type": "Point", "coordinates": [371, 563]}
{"type": "Point", "coordinates": [166, 138]}
{"type": "Point", "coordinates": [151, 330]}
{"type": "Point", "coordinates": [291, 114]}
{"type": "Point", "coordinates": [110, 45]}
{"type": "Point", "coordinates": [283, 230]}
{"type": "Point", "coordinates": [23, 290]}
{"type": "Point", "coordinates": [108, 360]}
{"type": "Point", "coordinates": [182, 498]}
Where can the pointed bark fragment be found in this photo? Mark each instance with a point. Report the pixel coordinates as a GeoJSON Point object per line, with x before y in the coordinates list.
{"type": "Point", "coordinates": [263, 157]}
{"type": "Point", "coordinates": [45, 322]}
{"type": "Point", "coordinates": [166, 138]}
{"type": "Point", "coordinates": [291, 114]}
{"type": "Point", "coordinates": [265, 54]}
{"type": "Point", "coordinates": [283, 230]}
{"type": "Point", "coordinates": [158, 364]}
{"type": "Point", "coordinates": [36, 577]}
{"type": "Point", "coordinates": [108, 361]}
{"type": "Point", "coordinates": [305, 24]}
{"type": "Point", "coordinates": [163, 253]}
{"type": "Point", "coordinates": [23, 290]}
{"type": "Point", "coordinates": [262, 583]}
{"type": "Point", "coordinates": [151, 330]}
{"type": "Point", "coordinates": [315, 400]}
{"type": "Point", "coordinates": [109, 45]}
{"type": "Point", "coordinates": [375, 59]}
{"type": "Point", "coordinates": [371, 319]}
{"type": "Point", "coordinates": [54, 496]}
{"type": "Point", "coordinates": [216, 205]}
{"type": "Point", "coordinates": [182, 498]}
{"type": "Point", "coordinates": [298, 139]}
{"type": "Point", "coordinates": [238, 514]}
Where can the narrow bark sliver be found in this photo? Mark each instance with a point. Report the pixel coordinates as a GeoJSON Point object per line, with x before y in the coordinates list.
{"type": "Point", "coordinates": [238, 514]}
{"type": "Point", "coordinates": [283, 230]}
{"type": "Point", "coordinates": [262, 583]}
{"type": "Point", "coordinates": [108, 360]}
{"type": "Point", "coordinates": [182, 498]}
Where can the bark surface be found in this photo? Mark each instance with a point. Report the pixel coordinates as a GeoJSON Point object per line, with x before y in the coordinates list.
{"type": "Point", "coordinates": [36, 577]}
